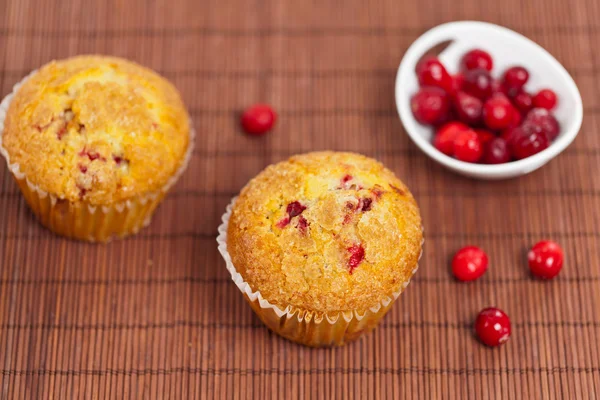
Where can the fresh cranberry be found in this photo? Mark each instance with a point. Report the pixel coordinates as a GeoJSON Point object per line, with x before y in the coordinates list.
{"type": "Point", "coordinates": [496, 151]}
{"type": "Point", "coordinates": [523, 102]}
{"type": "Point", "coordinates": [498, 87]}
{"type": "Point", "coordinates": [497, 113]}
{"type": "Point", "coordinates": [492, 326]}
{"type": "Point", "coordinates": [476, 58]}
{"type": "Point", "coordinates": [357, 255]}
{"type": "Point", "coordinates": [509, 134]}
{"type": "Point", "coordinates": [467, 146]}
{"type": "Point", "coordinates": [514, 79]}
{"type": "Point", "coordinates": [478, 83]}
{"type": "Point", "coordinates": [525, 143]}
{"type": "Point", "coordinates": [545, 98]}
{"type": "Point", "coordinates": [430, 105]}
{"type": "Point", "coordinates": [469, 108]}
{"type": "Point", "coordinates": [541, 120]}
{"type": "Point", "coordinates": [484, 136]}
{"type": "Point", "coordinates": [545, 259]}
{"type": "Point", "coordinates": [457, 82]}
{"type": "Point", "coordinates": [258, 119]}
{"type": "Point", "coordinates": [431, 72]}
{"type": "Point", "coordinates": [515, 119]}
{"type": "Point", "coordinates": [469, 263]}
{"type": "Point", "coordinates": [445, 136]}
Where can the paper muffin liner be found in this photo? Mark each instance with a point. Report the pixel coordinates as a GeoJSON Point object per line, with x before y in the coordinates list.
{"type": "Point", "coordinates": [80, 219]}
{"type": "Point", "coordinates": [303, 326]}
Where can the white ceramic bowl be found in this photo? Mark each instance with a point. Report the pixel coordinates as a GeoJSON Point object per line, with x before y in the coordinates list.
{"type": "Point", "coordinates": [507, 48]}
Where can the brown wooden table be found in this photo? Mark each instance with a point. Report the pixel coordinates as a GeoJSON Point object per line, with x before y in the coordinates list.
{"type": "Point", "coordinates": [156, 316]}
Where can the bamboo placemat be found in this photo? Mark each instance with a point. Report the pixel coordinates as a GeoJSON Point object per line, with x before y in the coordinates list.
{"type": "Point", "coordinates": [156, 315]}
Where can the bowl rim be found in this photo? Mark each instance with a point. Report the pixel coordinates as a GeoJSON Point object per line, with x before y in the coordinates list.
{"type": "Point", "coordinates": [442, 33]}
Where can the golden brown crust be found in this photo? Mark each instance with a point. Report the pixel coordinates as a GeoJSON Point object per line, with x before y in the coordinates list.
{"type": "Point", "coordinates": [325, 232]}
{"type": "Point", "coordinates": [97, 129]}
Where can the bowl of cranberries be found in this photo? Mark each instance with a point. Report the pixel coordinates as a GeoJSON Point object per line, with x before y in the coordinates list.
{"type": "Point", "coordinates": [492, 105]}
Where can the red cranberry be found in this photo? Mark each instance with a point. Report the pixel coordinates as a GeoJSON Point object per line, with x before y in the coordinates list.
{"type": "Point", "coordinates": [545, 259]}
{"type": "Point", "coordinates": [357, 255]}
{"type": "Point", "coordinates": [514, 79]}
{"type": "Point", "coordinates": [258, 119]}
{"type": "Point", "coordinates": [478, 83]}
{"type": "Point", "coordinates": [445, 136]}
{"type": "Point", "coordinates": [430, 105]}
{"type": "Point", "coordinates": [457, 82]}
{"type": "Point", "coordinates": [497, 113]}
{"type": "Point", "coordinates": [469, 108]}
{"type": "Point", "coordinates": [509, 134]}
{"type": "Point", "coordinates": [523, 102]}
{"type": "Point", "coordinates": [541, 120]}
{"type": "Point", "coordinates": [498, 87]}
{"type": "Point", "coordinates": [469, 263]}
{"type": "Point", "coordinates": [545, 98]}
{"type": "Point", "coordinates": [476, 58]}
{"type": "Point", "coordinates": [496, 152]}
{"type": "Point", "coordinates": [525, 143]}
{"type": "Point", "coordinates": [492, 326]}
{"type": "Point", "coordinates": [484, 136]}
{"type": "Point", "coordinates": [467, 146]}
{"type": "Point", "coordinates": [516, 118]}
{"type": "Point", "coordinates": [431, 72]}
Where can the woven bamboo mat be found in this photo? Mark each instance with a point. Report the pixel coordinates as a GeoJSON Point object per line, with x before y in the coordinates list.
{"type": "Point", "coordinates": [156, 316]}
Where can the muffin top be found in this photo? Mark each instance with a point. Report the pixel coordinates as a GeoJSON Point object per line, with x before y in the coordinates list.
{"type": "Point", "coordinates": [325, 232]}
{"type": "Point", "coordinates": [97, 129]}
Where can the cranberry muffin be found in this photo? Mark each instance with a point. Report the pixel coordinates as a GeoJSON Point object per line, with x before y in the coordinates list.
{"type": "Point", "coordinates": [94, 143]}
{"type": "Point", "coordinates": [323, 243]}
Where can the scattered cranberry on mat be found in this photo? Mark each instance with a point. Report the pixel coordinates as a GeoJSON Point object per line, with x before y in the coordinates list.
{"type": "Point", "coordinates": [517, 123]}
{"type": "Point", "coordinates": [545, 259]}
{"type": "Point", "coordinates": [469, 263]}
{"type": "Point", "coordinates": [492, 326]}
{"type": "Point", "coordinates": [258, 119]}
